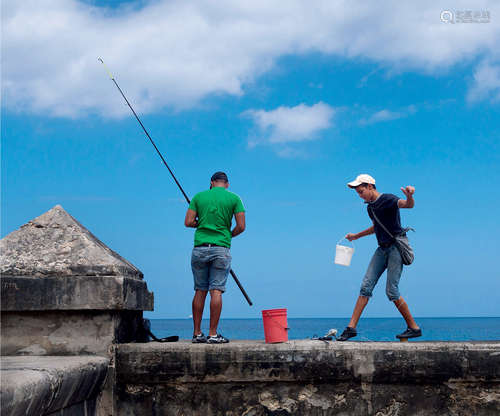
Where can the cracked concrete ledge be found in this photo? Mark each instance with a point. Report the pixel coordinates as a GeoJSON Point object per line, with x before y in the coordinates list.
{"type": "Point", "coordinates": [306, 377]}
{"type": "Point", "coordinates": [373, 362]}
{"type": "Point", "coordinates": [38, 386]}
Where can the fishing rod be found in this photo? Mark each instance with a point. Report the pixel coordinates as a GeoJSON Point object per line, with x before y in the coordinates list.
{"type": "Point", "coordinates": [165, 163]}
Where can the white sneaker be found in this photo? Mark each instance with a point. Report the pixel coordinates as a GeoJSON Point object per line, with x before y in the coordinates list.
{"type": "Point", "coordinates": [199, 339]}
{"type": "Point", "coordinates": [217, 339]}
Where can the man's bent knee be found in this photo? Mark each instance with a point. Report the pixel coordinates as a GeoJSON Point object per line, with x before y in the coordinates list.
{"type": "Point", "coordinates": [393, 296]}
{"type": "Point", "coordinates": [365, 292]}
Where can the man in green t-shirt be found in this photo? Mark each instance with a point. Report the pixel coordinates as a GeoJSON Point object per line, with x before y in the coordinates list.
{"type": "Point", "coordinates": [211, 213]}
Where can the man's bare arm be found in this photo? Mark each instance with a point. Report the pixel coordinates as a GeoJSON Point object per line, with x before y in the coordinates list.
{"type": "Point", "coordinates": [409, 202]}
{"type": "Point", "coordinates": [363, 233]}
{"type": "Point", "coordinates": [240, 224]}
{"type": "Point", "coordinates": [190, 220]}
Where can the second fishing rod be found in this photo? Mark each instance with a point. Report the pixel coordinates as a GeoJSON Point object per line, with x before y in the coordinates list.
{"type": "Point", "coordinates": [171, 173]}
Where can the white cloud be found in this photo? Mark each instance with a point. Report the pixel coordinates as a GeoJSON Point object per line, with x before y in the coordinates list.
{"type": "Point", "coordinates": [292, 124]}
{"type": "Point", "coordinates": [486, 83]}
{"type": "Point", "coordinates": [387, 115]}
{"type": "Point", "coordinates": [383, 115]}
{"type": "Point", "coordinates": [173, 53]}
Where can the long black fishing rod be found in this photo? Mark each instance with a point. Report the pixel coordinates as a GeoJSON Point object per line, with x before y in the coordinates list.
{"type": "Point", "coordinates": [172, 173]}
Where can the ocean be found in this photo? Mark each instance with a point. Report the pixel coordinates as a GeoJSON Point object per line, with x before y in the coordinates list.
{"type": "Point", "coordinates": [369, 329]}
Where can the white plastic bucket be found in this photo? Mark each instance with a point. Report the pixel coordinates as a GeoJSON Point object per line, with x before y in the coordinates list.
{"type": "Point", "coordinates": [343, 254]}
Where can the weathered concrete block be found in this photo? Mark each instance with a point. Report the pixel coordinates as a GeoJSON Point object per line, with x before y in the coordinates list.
{"type": "Point", "coordinates": [67, 332]}
{"type": "Point", "coordinates": [51, 385]}
{"type": "Point", "coordinates": [52, 264]}
{"type": "Point", "coordinates": [309, 378]}
{"type": "Point", "coordinates": [55, 244]}
{"type": "Point", "coordinates": [74, 293]}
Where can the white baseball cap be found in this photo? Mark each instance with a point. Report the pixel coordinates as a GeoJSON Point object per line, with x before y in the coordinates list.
{"type": "Point", "coordinates": [363, 178]}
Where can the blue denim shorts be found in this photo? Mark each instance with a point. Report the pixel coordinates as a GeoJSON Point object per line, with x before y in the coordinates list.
{"type": "Point", "coordinates": [384, 258]}
{"type": "Point", "coordinates": [210, 267]}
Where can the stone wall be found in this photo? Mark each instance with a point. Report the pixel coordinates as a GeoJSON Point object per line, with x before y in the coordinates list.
{"type": "Point", "coordinates": [64, 292]}
{"type": "Point", "coordinates": [67, 332]}
{"type": "Point", "coordinates": [35, 386]}
{"type": "Point", "coordinates": [66, 300]}
{"type": "Point", "coordinates": [308, 378]}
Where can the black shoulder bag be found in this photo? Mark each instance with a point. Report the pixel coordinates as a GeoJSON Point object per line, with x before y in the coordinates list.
{"type": "Point", "coordinates": [401, 241]}
{"type": "Point", "coordinates": [144, 334]}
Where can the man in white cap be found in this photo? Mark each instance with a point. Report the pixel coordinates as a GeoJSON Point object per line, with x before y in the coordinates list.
{"type": "Point", "coordinates": [382, 208]}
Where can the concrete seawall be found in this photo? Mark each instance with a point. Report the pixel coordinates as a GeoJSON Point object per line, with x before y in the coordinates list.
{"type": "Point", "coordinates": [34, 386]}
{"type": "Point", "coordinates": [308, 378]}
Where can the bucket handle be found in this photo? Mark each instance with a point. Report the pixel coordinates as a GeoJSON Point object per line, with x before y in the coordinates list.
{"type": "Point", "coordinates": [343, 238]}
{"type": "Point", "coordinates": [268, 315]}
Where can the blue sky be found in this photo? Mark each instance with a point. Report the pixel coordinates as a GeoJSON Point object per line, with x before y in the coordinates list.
{"type": "Point", "coordinates": [292, 104]}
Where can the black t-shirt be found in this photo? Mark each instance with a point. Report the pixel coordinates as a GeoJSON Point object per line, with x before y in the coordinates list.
{"type": "Point", "coordinates": [387, 211]}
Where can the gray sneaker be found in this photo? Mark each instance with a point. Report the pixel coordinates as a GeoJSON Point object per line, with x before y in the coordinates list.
{"type": "Point", "coordinates": [217, 339]}
{"type": "Point", "coordinates": [348, 333]}
{"type": "Point", "coordinates": [410, 333]}
{"type": "Point", "coordinates": [199, 339]}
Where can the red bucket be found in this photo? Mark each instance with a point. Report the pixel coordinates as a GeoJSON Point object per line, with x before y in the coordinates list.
{"type": "Point", "coordinates": [275, 325]}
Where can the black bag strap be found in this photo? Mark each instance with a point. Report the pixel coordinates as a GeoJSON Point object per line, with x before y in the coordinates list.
{"type": "Point", "coordinates": [382, 225]}
{"type": "Point", "coordinates": [385, 229]}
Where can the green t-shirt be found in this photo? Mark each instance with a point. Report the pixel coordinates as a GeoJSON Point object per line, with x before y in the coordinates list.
{"type": "Point", "coordinates": [215, 209]}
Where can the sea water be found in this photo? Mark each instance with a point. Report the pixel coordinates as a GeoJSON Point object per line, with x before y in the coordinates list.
{"type": "Point", "coordinates": [369, 329]}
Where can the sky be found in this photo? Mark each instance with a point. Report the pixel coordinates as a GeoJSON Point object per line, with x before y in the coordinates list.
{"type": "Point", "coordinates": [293, 100]}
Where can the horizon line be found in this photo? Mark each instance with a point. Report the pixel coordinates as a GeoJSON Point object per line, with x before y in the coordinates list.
{"type": "Point", "coordinates": [348, 317]}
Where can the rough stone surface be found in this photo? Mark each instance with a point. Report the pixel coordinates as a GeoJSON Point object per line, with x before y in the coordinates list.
{"type": "Point", "coordinates": [67, 332]}
{"type": "Point", "coordinates": [23, 293]}
{"type": "Point", "coordinates": [55, 244]}
{"type": "Point", "coordinates": [309, 378]}
{"type": "Point", "coordinates": [51, 385]}
{"type": "Point", "coordinates": [57, 279]}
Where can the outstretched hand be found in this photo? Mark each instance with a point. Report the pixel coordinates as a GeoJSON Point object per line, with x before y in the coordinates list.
{"type": "Point", "coordinates": [351, 237]}
{"type": "Point", "coordinates": [408, 191]}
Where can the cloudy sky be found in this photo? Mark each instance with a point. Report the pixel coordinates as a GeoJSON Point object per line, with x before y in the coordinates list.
{"type": "Point", "coordinates": [292, 99]}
